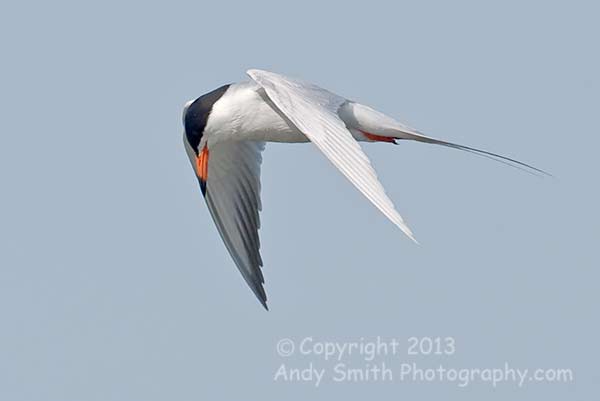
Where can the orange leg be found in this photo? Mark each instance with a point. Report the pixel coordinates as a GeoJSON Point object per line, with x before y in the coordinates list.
{"type": "Point", "coordinates": [378, 138]}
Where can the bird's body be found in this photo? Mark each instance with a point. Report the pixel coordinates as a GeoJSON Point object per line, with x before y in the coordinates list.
{"type": "Point", "coordinates": [247, 114]}
{"type": "Point", "coordinates": [225, 132]}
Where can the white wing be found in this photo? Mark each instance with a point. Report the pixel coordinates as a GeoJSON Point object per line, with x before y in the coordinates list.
{"type": "Point", "coordinates": [314, 111]}
{"type": "Point", "coordinates": [233, 198]}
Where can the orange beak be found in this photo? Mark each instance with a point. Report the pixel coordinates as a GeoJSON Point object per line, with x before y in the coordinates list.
{"type": "Point", "coordinates": [202, 168]}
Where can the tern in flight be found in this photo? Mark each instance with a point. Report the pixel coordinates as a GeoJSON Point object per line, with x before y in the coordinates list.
{"type": "Point", "coordinates": [225, 133]}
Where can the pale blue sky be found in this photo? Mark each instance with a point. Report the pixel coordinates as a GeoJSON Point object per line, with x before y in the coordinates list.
{"type": "Point", "coordinates": [114, 283]}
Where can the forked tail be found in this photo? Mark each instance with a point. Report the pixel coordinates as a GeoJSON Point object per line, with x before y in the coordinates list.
{"type": "Point", "coordinates": [376, 126]}
{"type": "Point", "coordinates": [484, 153]}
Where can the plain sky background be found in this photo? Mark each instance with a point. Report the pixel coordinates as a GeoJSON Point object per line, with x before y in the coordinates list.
{"type": "Point", "coordinates": [115, 285]}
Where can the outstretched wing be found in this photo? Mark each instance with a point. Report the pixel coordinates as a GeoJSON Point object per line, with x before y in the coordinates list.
{"type": "Point", "coordinates": [314, 111]}
{"type": "Point", "coordinates": [233, 198]}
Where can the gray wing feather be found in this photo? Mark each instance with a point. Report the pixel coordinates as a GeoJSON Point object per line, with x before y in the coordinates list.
{"type": "Point", "coordinates": [233, 198]}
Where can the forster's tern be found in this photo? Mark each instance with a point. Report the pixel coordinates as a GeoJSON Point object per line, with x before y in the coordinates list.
{"type": "Point", "coordinates": [226, 131]}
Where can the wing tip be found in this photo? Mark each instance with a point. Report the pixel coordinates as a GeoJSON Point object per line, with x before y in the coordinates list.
{"type": "Point", "coordinates": [411, 236]}
{"type": "Point", "coordinates": [262, 298]}
{"type": "Point", "coordinates": [253, 71]}
{"type": "Point", "coordinates": [406, 230]}
{"type": "Point", "coordinates": [259, 290]}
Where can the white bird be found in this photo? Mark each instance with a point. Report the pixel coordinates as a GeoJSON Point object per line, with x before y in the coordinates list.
{"type": "Point", "coordinates": [225, 133]}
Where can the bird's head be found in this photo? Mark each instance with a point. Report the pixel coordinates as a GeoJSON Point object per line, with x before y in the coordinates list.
{"type": "Point", "coordinates": [195, 116]}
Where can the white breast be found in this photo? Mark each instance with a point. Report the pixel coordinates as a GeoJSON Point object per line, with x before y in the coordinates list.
{"type": "Point", "coordinates": [246, 113]}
